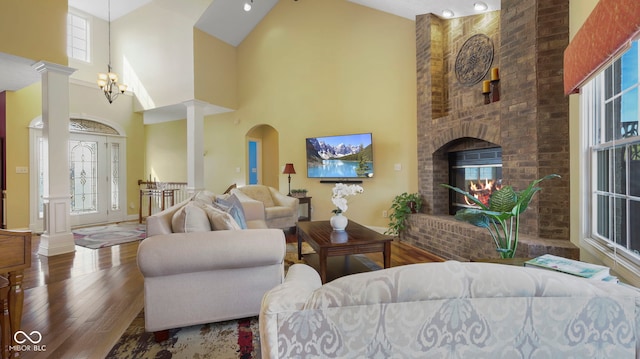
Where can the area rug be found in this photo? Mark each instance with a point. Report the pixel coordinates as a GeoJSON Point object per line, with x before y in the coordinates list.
{"type": "Point", "coordinates": [237, 339]}
{"type": "Point", "coordinates": [291, 256]}
{"type": "Point", "coordinates": [109, 235]}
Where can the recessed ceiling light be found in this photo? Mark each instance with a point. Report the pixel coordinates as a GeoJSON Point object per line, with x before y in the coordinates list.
{"type": "Point", "coordinates": [447, 13]}
{"type": "Point", "coordinates": [480, 6]}
{"type": "Point", "coordinates": [247, 6]}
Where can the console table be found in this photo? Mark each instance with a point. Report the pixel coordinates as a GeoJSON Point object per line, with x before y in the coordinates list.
{"type": "Point", "coordinates": [15, 256]}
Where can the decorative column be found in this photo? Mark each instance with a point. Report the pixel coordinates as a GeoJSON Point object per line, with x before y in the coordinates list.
{"type": "Point", "coordinates": [195, 145]}
{"type": "Point", "coordinates": [57, 237]}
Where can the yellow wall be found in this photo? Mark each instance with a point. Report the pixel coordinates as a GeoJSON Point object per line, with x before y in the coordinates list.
{"type": "Point", "coordinates": [152, 49]}
{"type": "Point", "coordinates": [215, 66]}
{"type": "Point", "coordinates": [34, 29]}
{"type": "Point", "coordinates": [311, 69]}
{"type": "Point", "coordinates": [332, 67]}
{"type": "Point", "coordinates": [579, 11]}
{"type": "Point", "coordinates": [166, 151]}
{"type": "Point", "coordinates": [22, 107]}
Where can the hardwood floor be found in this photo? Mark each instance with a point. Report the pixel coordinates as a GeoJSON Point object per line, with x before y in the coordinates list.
{"type": "Point", "coordinates": [82, 302]}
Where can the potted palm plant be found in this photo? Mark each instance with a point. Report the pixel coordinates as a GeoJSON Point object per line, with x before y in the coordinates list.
{"type": "Point", "coordinates": [402, 206]}
{"type": "Point", "coordinates": [502, 216]}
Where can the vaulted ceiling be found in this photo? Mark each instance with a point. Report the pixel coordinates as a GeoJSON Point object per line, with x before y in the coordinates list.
{"type": "Point", "coordinates": [226, 20]}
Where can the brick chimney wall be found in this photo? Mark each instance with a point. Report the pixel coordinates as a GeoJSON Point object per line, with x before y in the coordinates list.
{"type": "Point", "coordinates": [530, 122]}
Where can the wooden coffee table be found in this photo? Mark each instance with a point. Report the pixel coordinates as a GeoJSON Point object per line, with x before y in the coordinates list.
{"type": "Point", "coordinates": [355, 239]}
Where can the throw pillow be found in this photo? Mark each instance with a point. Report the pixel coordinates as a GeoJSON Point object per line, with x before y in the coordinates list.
{"type": "Point", "coordinates": [206, 197]}
{"type": "Point", "coordinates": [232, 205]}
{"type": "Point", "coordinates": [190, 218]}
{"type": "Point", "coordinates": [220, 220]}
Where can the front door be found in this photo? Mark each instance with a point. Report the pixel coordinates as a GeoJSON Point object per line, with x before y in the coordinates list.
{"type": "Point", "coordinates": [94, 175]}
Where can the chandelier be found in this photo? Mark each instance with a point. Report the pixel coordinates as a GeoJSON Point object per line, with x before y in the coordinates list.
{"type": "Point", "coordinates": [109, 82]}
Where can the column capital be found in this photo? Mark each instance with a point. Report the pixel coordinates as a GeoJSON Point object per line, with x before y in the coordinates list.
{"type": "Point", "coordinates": [44, 66]}
{"type": "Point", "coordinates": [196, 103]}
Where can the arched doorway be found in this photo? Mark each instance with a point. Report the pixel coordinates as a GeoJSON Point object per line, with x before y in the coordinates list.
{"type": "Point", "coordinates": [97, 172]}
{"type": "Point", "coordinates": [262, 156]}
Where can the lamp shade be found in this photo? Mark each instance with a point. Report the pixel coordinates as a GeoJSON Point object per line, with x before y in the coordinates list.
{"type": "Point", "coordinates": [288, 169]}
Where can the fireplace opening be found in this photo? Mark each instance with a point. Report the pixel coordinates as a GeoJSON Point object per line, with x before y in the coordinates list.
{"type": "Point", "coordinates": [478, 172]}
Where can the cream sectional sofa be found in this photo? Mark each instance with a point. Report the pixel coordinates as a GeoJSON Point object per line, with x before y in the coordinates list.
{"type": "Point", "coordinates": [449, 310]}
{"type": "Point", "coordinates": [206, 276]}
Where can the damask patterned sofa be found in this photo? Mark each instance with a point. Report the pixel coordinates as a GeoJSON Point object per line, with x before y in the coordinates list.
{"type": "Point", "coordinates": [449, 310]}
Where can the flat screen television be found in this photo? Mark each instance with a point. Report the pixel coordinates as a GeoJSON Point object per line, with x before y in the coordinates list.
{"type": "Point", "coordinates": [337, 157]}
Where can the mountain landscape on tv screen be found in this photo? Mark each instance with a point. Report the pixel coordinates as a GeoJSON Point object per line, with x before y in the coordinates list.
{"type": "Point", "coordinates": [324, 151]}
{"type": "Point", "coordinates": [338, 160]}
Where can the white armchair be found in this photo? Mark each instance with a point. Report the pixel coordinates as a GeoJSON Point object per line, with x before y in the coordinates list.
{"type": "Point", "coordinates": [280, 211]}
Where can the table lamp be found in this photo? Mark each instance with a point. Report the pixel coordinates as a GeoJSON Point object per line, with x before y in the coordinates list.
{"type": "Point", "coordinates": [288, 169]}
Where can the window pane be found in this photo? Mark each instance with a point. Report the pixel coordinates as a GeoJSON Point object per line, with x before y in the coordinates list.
{"type": "Point", "coordinates": [629, 64]}
{"type": "Point", "coordinates": [595, 114]}
{"type": "Point", "coordinates": [608, 83]}
{"type": "Point", "coordinates": [602, 213]}
{"type": "Point", "coordinates": [43, 153]}
{"type": "Point", "coordinates": [78, 21]}
{"type": "Point", "coordinates": [83, 160]}
{"type": "Point", "coordinates": [634, 171]}
{"type": "Point", "coordinates": [620, 170]}
{"type": "Point", "coordinates": [620, 221]}
{"type": "Point", "coordinates": [617, 78]}
{"type": "Point", "coordinates": [610, 115]}
{"type": "Point", "coordinates": [634, 226]}
{"type": "Point", "coordinates": [603, 171]}
{"type": "Point", "coordinates": [629, 115]}
{"type": "Point", "coordinates": [115, 176]}
{"type": "Point", "coordinates": [79, 33]}
{"type": "Point", "coordinates": [77, 37]}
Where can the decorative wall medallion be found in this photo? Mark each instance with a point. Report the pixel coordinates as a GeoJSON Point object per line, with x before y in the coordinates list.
{"type": "Point", "coordinates": [474, 59]}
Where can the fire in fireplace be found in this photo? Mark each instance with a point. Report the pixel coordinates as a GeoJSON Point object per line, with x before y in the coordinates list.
{"type": "Point", "coordinates": [478, 172]}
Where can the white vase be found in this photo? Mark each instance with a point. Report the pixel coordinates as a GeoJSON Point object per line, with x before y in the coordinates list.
{"type": "Point", "coordinates": [338, 222]}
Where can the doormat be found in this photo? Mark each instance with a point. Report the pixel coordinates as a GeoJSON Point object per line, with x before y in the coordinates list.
{"type": "Point", "coordinates": [109, 235]}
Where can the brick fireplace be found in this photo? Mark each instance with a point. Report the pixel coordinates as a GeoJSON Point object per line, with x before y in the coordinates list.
{"type": "Point", "coordinates": [530, 123]}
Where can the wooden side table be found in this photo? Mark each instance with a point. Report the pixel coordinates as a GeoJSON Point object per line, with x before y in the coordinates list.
{"type": "Point", "coordinates": [306, 201]}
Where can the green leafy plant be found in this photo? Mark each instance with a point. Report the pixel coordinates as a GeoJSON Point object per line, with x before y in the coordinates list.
{"type": "Point", "coordinates": [299, 193]}
{"type": "Point", "coordinates": [502, 217]}
{"type": "Point", "coordinates": [402, 206]}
